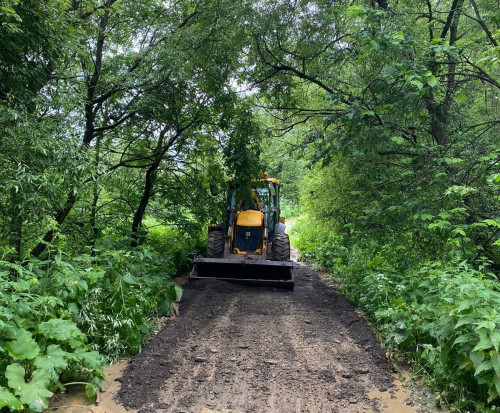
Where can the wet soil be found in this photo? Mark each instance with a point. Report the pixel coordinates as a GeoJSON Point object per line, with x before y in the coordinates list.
{"type": "Point", "coordinates": [245, 349]}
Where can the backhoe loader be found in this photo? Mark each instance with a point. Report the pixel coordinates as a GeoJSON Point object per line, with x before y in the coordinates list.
{"type": "Point", "coordinates": [250, 245]}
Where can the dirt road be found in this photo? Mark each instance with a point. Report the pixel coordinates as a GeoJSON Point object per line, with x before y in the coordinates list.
{"type": "Point", "coordinates": [247, 349]}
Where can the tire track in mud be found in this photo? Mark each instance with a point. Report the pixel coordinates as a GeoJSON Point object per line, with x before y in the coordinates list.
{"type": "Point", "coordinates": [206, 358]}
{"type": "Point", "coordinates": [245, 349]}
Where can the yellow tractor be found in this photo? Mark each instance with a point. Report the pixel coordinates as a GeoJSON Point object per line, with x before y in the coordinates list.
{"type": "Point", "coordinates": [250, 246]}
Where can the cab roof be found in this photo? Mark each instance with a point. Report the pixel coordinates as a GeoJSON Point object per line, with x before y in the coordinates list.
{"type": "Point", "coordinates": [272, 180]}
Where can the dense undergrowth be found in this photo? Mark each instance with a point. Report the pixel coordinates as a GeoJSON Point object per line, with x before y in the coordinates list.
{"type": "Point", "coordinates": [432, 303]}
{"type": "Point", "coordinates": [63, 318]}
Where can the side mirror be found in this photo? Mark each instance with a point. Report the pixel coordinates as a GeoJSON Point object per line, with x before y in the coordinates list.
{"type": "Point", "coordinates": [213, 190]}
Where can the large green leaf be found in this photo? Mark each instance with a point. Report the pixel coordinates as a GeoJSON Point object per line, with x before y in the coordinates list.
{"type": "Point", "coordinates": [174, 292]}
{"type": "Point", "coordinates": [62, 330]}
{"type": "Point", "coordinates": [7, 399]}
{"type": "Point", "coordinates": [35, 393]}
{"type": "Point", "coordinates": [487, 324]}
{"type": "Point", "coordinates": [90, 359]}
{"type": "Point", "coordinates": [91, 391]}
{"type": "Point", "coordinates": [496, 383]}
{"type": "Point", "coordinates": [495, 362]}
{"type": "Point", "coordinates": [464, 338]}
{"type": "Point", "coordinates": [178, 292]}
{"type": "Point", "coordinates": [495, 339]}
{"type": "Point", "coordinates": [165, 306]}
{"type": "Point", "coordinates": [23, 347]}
{"type": "Point", "coordinates": [484, 343]}
{"type": "Point", "coordinates": [54, 361]}
{"type": "Point", "coordinates": [477, 357]}
{"type": "Point", "coordinates": [129, 279]}
{"type": "Point", "coordinates": [484, 366]}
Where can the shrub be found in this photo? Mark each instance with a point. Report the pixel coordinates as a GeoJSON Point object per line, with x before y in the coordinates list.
{"type": "Point", "coordinates": [442, 316]}
{"type": "Point", "coordinates": [61, 318]}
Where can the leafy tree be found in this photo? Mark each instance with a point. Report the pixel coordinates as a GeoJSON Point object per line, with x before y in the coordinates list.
{"type": "Point", "coordinates": [404, 154]}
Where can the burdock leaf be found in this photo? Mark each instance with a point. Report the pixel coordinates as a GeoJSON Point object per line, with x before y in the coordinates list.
{"type": "Point", "coordinates": [34, 393]}
{"type": "Point", "coordinates": [23, 347]}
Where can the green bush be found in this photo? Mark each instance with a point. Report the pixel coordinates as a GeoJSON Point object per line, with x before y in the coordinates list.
{"type": "Point", "coordinates": [39, 341]}
{"type": "Point", "coordinates": [175, 246]}
{"type": "Point", "coordinates": [289, 209]}
{"type": "Point", "coordinates": [61, 318]}
{"type": "Point", "coordinates": [116, 300]}
{"type": "Point", "coordinates": [442, 316]}
{"type": "Point", "coordinates": [445, 318]}
{"type": "Point", "coordinates": [314, 243]}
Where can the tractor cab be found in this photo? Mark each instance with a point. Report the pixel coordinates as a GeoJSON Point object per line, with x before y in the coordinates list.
{"type": "Point", "coordinates": [253, 218]}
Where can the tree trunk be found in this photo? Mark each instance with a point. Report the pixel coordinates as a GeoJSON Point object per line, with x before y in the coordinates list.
{"type": "Point", "coordinates": [151, 174]}
{"type": "Point", "coordinates": [137, 236]}
{"type": "Point", "coordinates": [93, 209]}
{"type": "Point", "coordinates": [16, 224]}
{"type": "Point", "coordinates": [59, 218]}
{"type": "Point", "coordinates": [439, 111]}
{"type": "Point", "coordinates": [450, 90]}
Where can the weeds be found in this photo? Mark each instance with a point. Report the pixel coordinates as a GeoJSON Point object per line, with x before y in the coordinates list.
{"type": "Point", "coordinates": [61, 319]}
{"type": "Point", "coordinates": [442, 316]}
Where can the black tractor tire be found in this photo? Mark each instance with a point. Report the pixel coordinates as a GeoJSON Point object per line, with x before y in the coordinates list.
{"type": "Point", "coordinates": [215, 244]}
{"type": "Point", "coordinates": [281, 247]}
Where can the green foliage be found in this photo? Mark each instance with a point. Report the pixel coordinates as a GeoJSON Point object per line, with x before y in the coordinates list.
{"type": "Point", "coordinates": [404, 261]}
{"type": "Point", "coordinates": [60, 318]}
{"type": "Point", "coordinates": [402, 199]}
{"type": "Point", "coordinates": [242, 153]}
{"type": "Point", "coordinates": [30, 45]}
{"type": "Point", "coordinates": [115, 120]}
{"type": "Point", "coordinates": [279, 162]}
{"type": "Point", "coordinates": [117, 311]}
{"type": "Point", "coordinates": [33, 394]}
{"type": "Point", "coordinates": [175, 245]}
{"type": "Point", "coordinates": [38, 341]}
{"type": "Point", "coordinates": [7, 399]}
{"type": "Point", "coordinates": [444, 317]}
{"type": "Point", "coordinates": [111, 123]}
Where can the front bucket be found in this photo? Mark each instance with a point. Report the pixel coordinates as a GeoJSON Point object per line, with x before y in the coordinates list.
{"type": "Point", "coordinates": [245, 271]}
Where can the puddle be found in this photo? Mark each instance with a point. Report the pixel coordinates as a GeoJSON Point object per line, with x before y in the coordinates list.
{"type": "Point", "coordinates": [75, 400]}
{"type": "Point", "coordinates": [394, 402]}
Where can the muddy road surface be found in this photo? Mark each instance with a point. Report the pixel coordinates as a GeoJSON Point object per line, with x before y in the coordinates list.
{"type": "Point", "coordinates": [246, 349]}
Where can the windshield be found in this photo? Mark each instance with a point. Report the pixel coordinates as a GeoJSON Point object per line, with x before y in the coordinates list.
{"type": "Point", "coordinates": [263, 194]}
